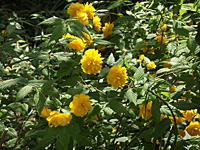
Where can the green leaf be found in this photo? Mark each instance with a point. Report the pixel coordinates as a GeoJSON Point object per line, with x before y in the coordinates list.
{"type": "Point", "coordinates": [179, 2]}
{"type": "Point", "coordinates": [161, 127]}
{"type": "Point", "coordinates": [140, 45]}
{"type": "Point", "coordinates": [191, 44]}
{"type": "Point", "coordinates": [8, 83]}
{"type": "Point", "coordinates": [183, 105]}
{"type": "Point", "coordinates": [115, 4]}
{"type": "Point", "coordinates": [40, 101]}
{"type": "Point", "coordinates": [102, 42]}
{"type": "Point", "coordinates": [23, 92]}
{"type": "Point", "coordinates": [155, 110]}
{"type": "Point", "coordinates": [63, 71]}
{"type": "Point", "coordinates": [12, 132]}
{"type": "Point", "coordinates": [139, 74]}
{"type": "Point", "coordinates": [132, 96]}
{"type": "Point", "coordinates": [111, 60]}
{"type": "Point", "coordinates": [121, 139]}
{"type": "Point", "coordinates": [95, 110]}
{"type": "Point", "coordinates": [51, 21]}
{"type": "Point", "coordinates": [117, 106]}
{"type": "Point", "coordinates": [19, 107]}
{"type": "Point", "coordinates": [59, 31]}
{"type": "Point", "coordinates": [63, 138]}
{"type": "Point", "coordinates": [162, 70]}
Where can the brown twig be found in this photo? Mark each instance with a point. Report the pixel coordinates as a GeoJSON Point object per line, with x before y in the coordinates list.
{"type": "Point", "coordinates": [3, 137]}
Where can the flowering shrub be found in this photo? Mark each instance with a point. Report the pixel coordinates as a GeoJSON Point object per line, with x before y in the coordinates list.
{"type": "Point", "coordinates": [106, 75]}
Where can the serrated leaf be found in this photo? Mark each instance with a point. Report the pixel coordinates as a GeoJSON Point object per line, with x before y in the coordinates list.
{"type": "Point", "coordinates": [111, 60]}
{"type": "Point", "coordinates": [132, 96]}
{"type": "Point", "coordinates": [162, 70]}
{"type": "Point", "coordinates": [8, 83]}
{"type": "Point", "coordinates": [155, 110]}
{"type": "Point", "coordinates": [182, 105]}
{"type": "Point", "coordinates": [117, 106]}
{"type": "Point", "coordinates": [51, 21]}
{"type": "Point", "coordinates": [58, 32]}
{"type": "Point", "coordinates": [139, 74]}
{"type": "Point", "coordinates": [23, 92]}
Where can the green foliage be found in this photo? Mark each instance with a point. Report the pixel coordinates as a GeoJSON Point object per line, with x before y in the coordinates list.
{"type": "Point", "coordinates": [38, 69]}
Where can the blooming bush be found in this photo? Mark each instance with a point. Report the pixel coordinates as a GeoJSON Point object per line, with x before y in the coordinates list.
{"type": "Point", "coordinates": [106, 75]}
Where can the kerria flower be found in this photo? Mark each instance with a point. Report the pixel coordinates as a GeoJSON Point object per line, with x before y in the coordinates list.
{"type": "Point", "coordinates": [145, 110]}
{"type": "Point", "coordinates": [82, 17]}
{"type": "Point", "coordinates": [193, 128]}
{"type": "Point", "coordinates": [3, 32]}
{"type": "Point", "coordinates": [97, 23]}
{"type": "Point", "coordinates": [88, 39]}
{"type": "Point", "coordinates": [151, 65]}
{"type": "Point", "coordinates": [45, 112]}
{"type": "Point", "coordinates": [80, 105]}
{"type": "Point", "coordinates": [117, 76]}
{"type": "Point", "coordinates": [107, 29]}
{"type": "Point", "coordinates": [162, 39]}
{"type": "Point", "coordinates": [59, 119]}
{"type": "Point", "coordinates": [91, 62]}
{"type": "Point", "coordinates": [77, 43]}
{"type": "Point", "coordinates": [172, 88]}
{"type": "Point", "coordinates": [90, 10]}
{"type": "Point", "coordinates": [141, 58]}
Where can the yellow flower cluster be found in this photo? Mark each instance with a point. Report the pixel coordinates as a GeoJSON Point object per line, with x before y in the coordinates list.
{"type": "Point", "coordinates": [91, 62]}
{"type": "Point", "coordinates": [80, 105]}
{"type": "Point", "coordinates": [77, 43]}
{"type": "Point", "coordinates": [117, 76]}
{"type": "Point", "coordinates": [107, 29]}
{"type": "Point", "coordinates": [97, 23]}
{"type": "Point", "coordinates": [145, 110]}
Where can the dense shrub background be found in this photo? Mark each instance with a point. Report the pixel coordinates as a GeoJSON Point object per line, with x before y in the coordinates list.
{"type": "Point", "coordinates": [37, 69]}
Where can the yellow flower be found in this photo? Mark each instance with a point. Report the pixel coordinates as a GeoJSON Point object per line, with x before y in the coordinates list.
{"type": "Point", "coordinates": [141, 58]}
{"type": "Point", "coordinates": [91, 62]}
{"type": "Point", "coordinates": [181, 132]}
{"type": "Point", "coordinates": [90, 10]}
{"type": "Point", "coordinates": [114, 130]}
{"type": "Point", "coordinates": [74, 8]}
{"type": "Point", "coordinates": [77, 43]}
{"type": "Point", "coordinates": [7, 69]}
{"type": "Point", "coordinates": [82, 17]}
{"type": "Point", "coordinates": [167, 65]}
{"type": "Point", "coordinates": [97, 23]}
{"type": "Point", "coordinates": [189, 114]}
{"type": "Point", "coordinates": [80, 105]}
{"type": "Point", "coordinates": [151, 65]}
{"type": "Point", "coordinates": [145, 110]}
{"type": "Point", "coordinates": [171, 15]}
{"type": "Point", "coordinates": [45, 112]}
{"type": "Point", "coordinates": [88, 38]}
{"type": "Point", "coordinates": [59, 119]}
{"type": "Point", "coordinates": [4, 33]}
{"type": "Point", "coordinates": [193, 128]}
{"type": "Point", "coordinates": [163, 27]}
{"type": "Point", "coordinates": [161, 12]}
{"type": "Point", "coordinates": [161, 38]}
{"type": "Point", "coordinates": [172, 88]}
{"type": "Point", "coordinates": [107, 29]}
{"type": "Point", "coordinates": [117, 76]}
{"type": "Point", "coordinates": [118, 143]}
{"type": "Point", "coordinates": [153, 75]}
{"type": "Point", "coordinates": [95, 118]}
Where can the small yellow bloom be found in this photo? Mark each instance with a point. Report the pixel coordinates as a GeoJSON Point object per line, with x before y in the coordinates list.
{"type": "Point", "coordinates": [171, 15]}
{"type": "Point", "coordinates": [97, 23]}
{"type": "Point", "coordinates": [80, 105]}
{"type": "Point", "coordinates": [161, 38]}
{"type": "Point", "coordinates": [161, 12]}
{"type": "Point", "coordinates": [141, 58]}
{"type": "Point", "coordinates": [77, 43]}
{"type": "Point", "coordinates": [153, 75]}
{"type": "Point", "coordinates": [42, 76]}
{"type": "Point", "coordinates": [172, 88]}
{"type": "Point", "coordinates": [91, 62]}
{"type": "Point", "coordinates": [95, 118]}
{"type": "Point", "coordinates": [167, 65]}
{"type": "Point", "coordinates": [163, 28]}
{"type": "Point", "coordinates": [59, 119]}
{"type": "Point", "coordinates": [118, 143]}
{"type": "Point", "coordinates": [7, 69]}
{"type": "Point", "coordinates": [45, 112]}
{"type": "Point", "coordinates": [114, 130]}
{"type": "Point", "coordinates": [90, 10]}
{"type": "Point", "coordinates": [145, 110]}
{"type": "Point", "coordinates": [181, 132]}
{"type": "Point", "coordinates": [88, 38]}
{"type": "Point", "coordinates": [117, 76]}
{"type": "Point", "coordinates": [193, 128]}
{"type": "Point", "coordinates": [4, 33]}
{"type": "Point", "coordinates": [151, 65]}
{"type": "Point", "coordinates": [107, 29]}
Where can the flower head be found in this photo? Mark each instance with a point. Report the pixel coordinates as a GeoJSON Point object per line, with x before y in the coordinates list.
{"type": "Point", "coordinates": [91, 62]}
{"type": "Point", "coordinates": [172, 88]}
{"type": "Point", "coordinates": [45, 112]}
{"type": "Point", "coordinates": [107, 29]}
{"type": "Point", "coordinates": [3, 32]}
{"type": "Point", "coordinates": [151, 65]}
{"type": "Point", "coordinates": [88, 38]}
{"type": "Point", "coordinates": [74, 8]}
{"type": "Point", "coordinates": [145, 110]}
{"type": "Point", "coordinates": [141, 58]}
{"type": "Point", "coordinates": [117, 76]}
{"type": "Point", "coordinates": [162, 39]}
{"type": "Point", "coordinates": [189, 114]}
{"type": "Point", "coordinates": [82, 17]}
{"type": "Point", "coordinates": [97, 23]}
{"type": "Point", "coordinates": [77, 43]}
{"type": "Point", "coordinates": [59, 119]}
{"type": "Point", "coordinates": [193, 128]}
{"type": "Point", "coordinates": [80, 105]}
{"type": "Point", "coordinates": [163, 28]}
{"type": "Point", "coordinates": [90, 10]}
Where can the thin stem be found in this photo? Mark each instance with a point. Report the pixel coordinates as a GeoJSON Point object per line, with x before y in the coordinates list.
{"type": "Point", "coordinates": [3, 137]}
